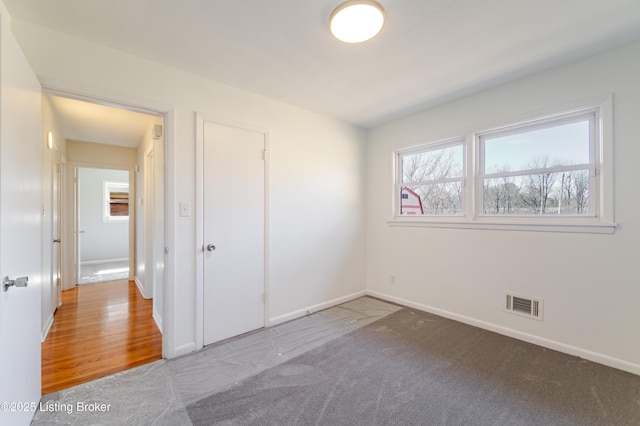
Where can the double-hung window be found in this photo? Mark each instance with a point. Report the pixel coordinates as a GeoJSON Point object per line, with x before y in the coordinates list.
{"type": "Point", "coordinates": [541, 168]}
{"type": "Point", "coordinates": [550, 173]}
{"type": "Point", "coordinates": [430, 180]}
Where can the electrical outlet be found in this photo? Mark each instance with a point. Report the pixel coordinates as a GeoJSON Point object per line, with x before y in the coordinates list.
{"type": "Point", "coordinates": [392, 279]}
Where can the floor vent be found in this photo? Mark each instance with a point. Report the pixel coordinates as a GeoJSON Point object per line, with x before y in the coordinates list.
{"type": "Point", "coordinates": [525, 306]}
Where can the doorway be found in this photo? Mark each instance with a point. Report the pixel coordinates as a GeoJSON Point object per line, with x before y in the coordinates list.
{"type": "Point", "coordinates": [100, 140]}
{"type": "Point", "coordinates": [102, 220]}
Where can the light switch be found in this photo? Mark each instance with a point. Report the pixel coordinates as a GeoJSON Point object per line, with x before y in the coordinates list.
{"type": "Point", "coordinates": [185, 210]}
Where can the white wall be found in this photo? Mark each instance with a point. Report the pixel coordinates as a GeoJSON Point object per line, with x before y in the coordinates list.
{"type": "Point", "coordinates": [49, 124]}
{"type": "Point", "coordinates": [317, 230]}
{"type": "Point", "coordinates": [589, 282]}
{"type": "Point", "coordinates": [102, 240]}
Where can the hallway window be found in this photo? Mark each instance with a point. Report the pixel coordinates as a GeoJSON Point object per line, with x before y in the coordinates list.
{"type": "Point", "coordinates": [116, 201]}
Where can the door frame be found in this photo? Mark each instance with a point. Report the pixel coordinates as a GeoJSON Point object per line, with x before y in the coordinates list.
{"type": "Point", "coordinates": [73, 254]}
{"type": "Point", "coordinates": [168, 114]}
{"type": "Point", "coordinates": [199, 215]}
{"type": "Point", "coordinates": [149, 196]}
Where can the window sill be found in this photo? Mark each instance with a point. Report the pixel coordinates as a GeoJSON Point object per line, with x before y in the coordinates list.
{"type": "Point", "coordinates": [519, 225]}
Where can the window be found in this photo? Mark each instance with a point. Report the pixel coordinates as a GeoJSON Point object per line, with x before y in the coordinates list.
{"type": "Point", "coordinates": [551, 173]}
{"type": "Point", "coordinates": [539, 169]}
{"type": "Point", "coordinates": [431, 179]}
{"type": "Point", "coordinates": [116, 201]}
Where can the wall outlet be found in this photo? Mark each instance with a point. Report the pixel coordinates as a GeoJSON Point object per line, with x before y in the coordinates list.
{"type": "Point", "coordinates": [392, 279]}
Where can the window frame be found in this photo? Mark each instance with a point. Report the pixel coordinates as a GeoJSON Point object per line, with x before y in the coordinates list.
{"type": "Point", "coordinates": [546, 123]}
{"type": "Point", "coordinates": [435, 146]}
{"type": "Point", "coordinates": [600, 218]}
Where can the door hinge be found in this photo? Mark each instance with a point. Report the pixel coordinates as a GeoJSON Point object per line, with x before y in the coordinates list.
{"type": "Point", "coordinates": [264, 297]}
{"type": "Point", "coordinates": [166, 250]}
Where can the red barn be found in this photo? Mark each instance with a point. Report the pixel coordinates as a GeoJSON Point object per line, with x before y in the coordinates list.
{"type": "Point", "coordinates": [411, 203]}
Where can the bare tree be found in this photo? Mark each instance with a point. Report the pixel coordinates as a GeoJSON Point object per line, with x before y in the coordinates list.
{"type": "Point", "coordinates": [581, 190]}
{"type": "Point", "coordinates": [500, 195]}
{"type": "Point", "coordinates": [539, 186]}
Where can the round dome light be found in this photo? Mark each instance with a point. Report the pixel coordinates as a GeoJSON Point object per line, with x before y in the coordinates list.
{"type": "Point", "coordinates": [357, 21]}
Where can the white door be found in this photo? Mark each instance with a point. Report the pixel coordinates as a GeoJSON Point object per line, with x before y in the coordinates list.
{"type": "Point", "coordinates": [20, 232]}
{"type": "Point", "coordinates": [234, 231]}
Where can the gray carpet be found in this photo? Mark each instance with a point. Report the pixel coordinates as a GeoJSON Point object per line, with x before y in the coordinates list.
{"type": "Point", "coordinates": [414, 368]}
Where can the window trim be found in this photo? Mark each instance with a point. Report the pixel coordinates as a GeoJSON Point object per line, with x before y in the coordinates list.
{"type": "Point", "coordinates": [600, 219]}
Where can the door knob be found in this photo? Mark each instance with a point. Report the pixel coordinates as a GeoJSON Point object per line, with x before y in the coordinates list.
{"type": "Point", "coordinates": [18, 282]}
{"type": "Point", "coordinates": [211, 247]}
{"type": "Point", "coordinates": [56, 240]}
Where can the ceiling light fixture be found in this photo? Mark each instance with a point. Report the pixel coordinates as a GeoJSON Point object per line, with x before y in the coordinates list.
{"type": "Point", "coordinates": [357, 21]}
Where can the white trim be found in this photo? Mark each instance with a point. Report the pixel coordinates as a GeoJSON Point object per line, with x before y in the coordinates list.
{"type": "Point", "coordinates": [315, 308]}
{"type": "Point", "coordinates": [555, 226]}
{"type": "Point", "coordinates": [267, 227]}
{"type": "Point", "coordinates": [184, 349]}
{"type": "Point", "coordinates": [530, 338]}
{"type": "Point", "coordinates": [47, 328]}
{"type": "Point", "coordinates": [201, 118]}
{"type": "Point", "coordinates": [156, 317]}
{"type": "Point", "coordinates": [528, 172]}
{"type": "Point", "coordinates": [148, 218]}
{"type": "Point", "coordinates": [199, 234]}
{"type": "Point", "coordinates": [140, 287]}
{"type": "Point", "coordinates": [98, 262]}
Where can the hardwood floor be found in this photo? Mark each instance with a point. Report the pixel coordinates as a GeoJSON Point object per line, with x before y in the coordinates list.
{"type": "Point", "coordinates": [99, 330]}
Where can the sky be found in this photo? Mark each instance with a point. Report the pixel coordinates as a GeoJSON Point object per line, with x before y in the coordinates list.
{"type": "Point", "coordinates": [568, 143]}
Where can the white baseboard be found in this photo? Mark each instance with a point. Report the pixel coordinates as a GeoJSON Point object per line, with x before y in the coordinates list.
{"type": "Point", "coordinates": [184, 349]}
{"type": "Point", "coordinates": [530, 338]}
{"type": "Point", "coordinates": [140, 287]}
{"type": "Point", "coordinates": [158, 319]}
{"type": "Point", "coordinates": [315, 308]}
{"type": "Point", "coordinates": [98, 262]}
{"type": "Point", "coordinates": [47, 328]}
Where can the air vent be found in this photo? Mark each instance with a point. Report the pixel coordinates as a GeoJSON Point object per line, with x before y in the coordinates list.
{"type": "Point", "coordinates": [525, 306]}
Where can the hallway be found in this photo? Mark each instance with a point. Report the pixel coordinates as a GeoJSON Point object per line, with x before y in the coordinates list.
{"type": "Point", "coordinates": [100, 329]}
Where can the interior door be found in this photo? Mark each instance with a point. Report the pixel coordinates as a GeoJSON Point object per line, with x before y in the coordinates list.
{"type": "Point", "coordinates": [234, 231]}
{"type": "Point", "coordinates": [20, 232]}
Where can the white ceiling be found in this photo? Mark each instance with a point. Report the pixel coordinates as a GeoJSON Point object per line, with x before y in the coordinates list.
{"type": "Point", "coordinates": [88, 122]}
{"type": "Point", "coordinates": [429, 52]}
